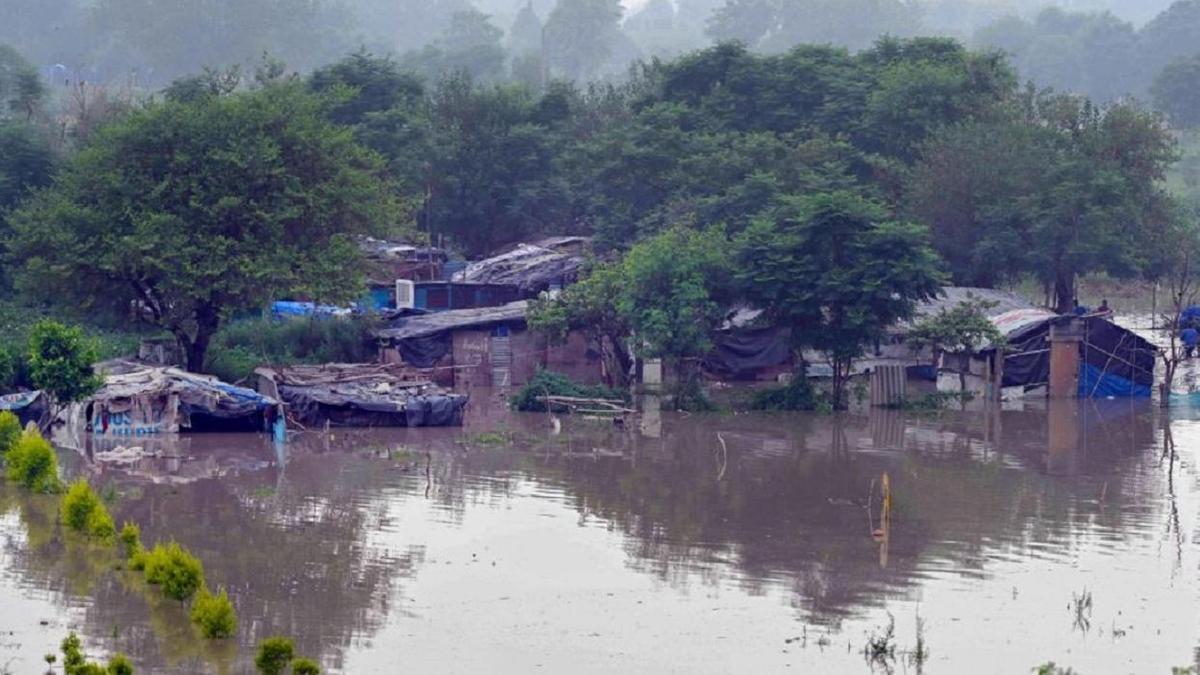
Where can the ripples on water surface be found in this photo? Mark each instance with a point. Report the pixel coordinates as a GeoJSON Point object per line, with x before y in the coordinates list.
{"type": "Point", "coordinates": [600, 550]}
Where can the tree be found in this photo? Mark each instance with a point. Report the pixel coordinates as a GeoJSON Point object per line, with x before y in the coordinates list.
{"type": "Point", "coordinates": [1176, 92]}
{"type": "Point", "coordinates": [964, 328]}
{"type": "Point", "coordinates": [836, 271]}
{"type": "Point", "coordinates": [590, 306]}
{"type": "Point", "coordinates": [21, 88]}
{"type": "Point", "coordinates": [189, 211]}
{"type": "Point", "coordinates": [1055, 187]}
{"type": "Point", "coordinates": [580, 36]}
{"type": "Point", "coordinates": [370, 85]}
{"type": "Point", "coordinates": [673, 294]}
{"type": "Point", "coordinates": [777, 25]}
{"type": "Point", "coordinates": [470, 44]}
{"type": "Point", "coordinates": [1181, 272]}
{"type": "Point", "coordinates": [491, 176]}
{"type": "Point", "coordinates": [61, 363]}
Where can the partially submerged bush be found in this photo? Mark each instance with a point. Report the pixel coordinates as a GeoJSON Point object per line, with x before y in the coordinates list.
{"type": "Point", "coordinates": [131, 540]}
{"type": "Point", "coordinates": [214, 614]}
{"type": "Point", "coordinates": [798, 394]}
{"type": "Point", "coordinates": [120, 664]}
{"type": "Point", "coordinates": [274, 655]}
{"type": "Point", "coordinates": [82, 511]}
{"type": "Point", "coordinates": [32, 463]}
{"type": "Point", "coordinates": [305, 667]}
{"type": "Point", "coordinates": [10, 432]}
{"type": "Point", "coordinates": [75, 663]}
{"type": "Point", "coordinates": [548, 383]}
{"type": "Point", "coordinates": [178, 572]}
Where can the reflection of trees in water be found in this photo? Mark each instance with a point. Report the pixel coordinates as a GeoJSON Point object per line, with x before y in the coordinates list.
{"type": "Point", "coordinates": [790, 506]}
{"type": "Point", "coordinates": [291, 569]}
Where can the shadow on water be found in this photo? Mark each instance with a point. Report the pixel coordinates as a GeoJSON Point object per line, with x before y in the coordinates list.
{"type": "Point", "coordinates": [346, 541]}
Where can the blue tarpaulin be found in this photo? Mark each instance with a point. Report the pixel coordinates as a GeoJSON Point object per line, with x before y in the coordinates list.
{"type": "Point", "coordinates": [1094, 383]}
{"type": "Point", "coordinates": [284, 308]}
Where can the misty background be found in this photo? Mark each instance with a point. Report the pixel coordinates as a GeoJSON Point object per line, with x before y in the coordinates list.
{"type": "Point", "coordinates": [1102, 48]}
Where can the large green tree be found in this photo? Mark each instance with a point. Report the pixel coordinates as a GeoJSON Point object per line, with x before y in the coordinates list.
{"type": "Point", "coordinates": [1056, 188]}
{"type": "Point", "coordinates": [185, 212]}
{"type": "Point", "coordinates": [837, 271]}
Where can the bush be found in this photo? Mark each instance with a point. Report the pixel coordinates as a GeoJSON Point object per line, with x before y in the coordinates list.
{"type": "Point", "coordinates": [274, 654]}
{"type": "Point", "coordinates": [131, 539]}
{"type": "Point", "coordinates": [82, 511]}
{"type": "Point", "coordinates": [243, 345]}
{"type": "Point", "coordinates": [548, 383]}
{"type": "Point", "coordinates": [305, 667]}
{"type": "Point", "coordinates": [178, 572]}
{"type": "Point", "coordinates": [32, 463]}
{"type": "Point", "coordinates": [120, 664]}
{"type": "Point", "coordinates": [10, 432]}
{"type": "Point", "coordinates": [795, 395]}
{"type": "Point", "coordinates": [214, 614]}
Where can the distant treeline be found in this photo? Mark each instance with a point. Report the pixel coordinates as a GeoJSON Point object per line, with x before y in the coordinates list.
{"type": "Point", "coordinates": [144, 45]}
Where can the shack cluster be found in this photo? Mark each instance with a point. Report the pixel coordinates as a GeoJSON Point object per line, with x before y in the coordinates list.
{"type": "Point", "coordinates": [450, 327]}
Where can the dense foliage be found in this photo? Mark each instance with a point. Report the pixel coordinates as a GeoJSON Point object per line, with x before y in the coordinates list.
{"type": "Point", "coordinates": [189, 210]}
{"type": "Point", "coordinates": [84, 512]}
{"type": "Point", "coordinates": [214, 615]}
{"type": "Point", "coordinates": [32, 463]}
{"type": "Point", "coordinates": [273, 655]}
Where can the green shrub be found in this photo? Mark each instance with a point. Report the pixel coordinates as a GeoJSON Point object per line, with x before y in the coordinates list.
{"type": "Point", "coordinates": [214, 614]}
{"type": "Point", "coordinates": [131, 539]}
{"type": "Point", "coordinates": [72, 649]}
{"type": "Point", "coordinates": [243, 345]}
{"type": "Point", "coordinates": [10, 432]}
{"type": "Point", "coordinates": [75, 663]}
{"type": "Point", "coordinates": [82, 511]}
{"type": "Point", "coordinates": [178, 572]}
{"type": "Point", "coordinates": [120, 664]}
{"type": "Point", "coordinates": [32, 463]}
{"type": "Point", "coordinates": [548, 383]}
{"type": "Point", "coordinates": [305, 667]}
{"type": "Point", "coordinates": [795, 395]}
{"type": "Point", "coordinates": [274, 655]}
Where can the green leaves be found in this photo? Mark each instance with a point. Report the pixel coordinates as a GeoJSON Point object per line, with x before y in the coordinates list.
{"type": "Point", "coordinates": [190, 210]}
{"type": "Point", "coordinates": [60, 362]}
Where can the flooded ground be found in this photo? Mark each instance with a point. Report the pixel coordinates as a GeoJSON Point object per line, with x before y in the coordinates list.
{"type": "Point", "coordinates": [743, 543]}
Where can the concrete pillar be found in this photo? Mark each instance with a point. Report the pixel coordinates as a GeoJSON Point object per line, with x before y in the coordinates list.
{"type": "Point", "coordinates": [1065, 336]}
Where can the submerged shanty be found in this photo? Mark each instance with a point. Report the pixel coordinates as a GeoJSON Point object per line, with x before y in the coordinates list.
{"type": "Point", "coordinates": [360, 395]}
{"type": "Point", "coordinates": [1112, 361]}
{"type": "Point", "coordinates": [137, 399]}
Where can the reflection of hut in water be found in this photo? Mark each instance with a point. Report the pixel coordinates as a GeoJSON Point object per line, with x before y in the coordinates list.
{"type": "Point", "coordinates": [140, 400]}
{"type": "Point", "coordinates": [361, 395]}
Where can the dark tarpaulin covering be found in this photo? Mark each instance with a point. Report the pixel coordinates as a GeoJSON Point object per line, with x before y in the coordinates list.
{"type": "Point", "coordinates": [1114, 361]}
{"type": "Point", "coordinates": [424, 351]}
{"type": "Point", "coordinates": [738, 353]}
{"type": "Point", "coordinates": [313, 409]}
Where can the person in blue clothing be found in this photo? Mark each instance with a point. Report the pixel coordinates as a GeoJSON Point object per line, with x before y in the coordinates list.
{"type": "Point", "coordinates": [1190, 336]}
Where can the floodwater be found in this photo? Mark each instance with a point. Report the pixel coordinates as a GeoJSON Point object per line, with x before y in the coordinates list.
{"type": "Point", "coordinates": [724, 543]}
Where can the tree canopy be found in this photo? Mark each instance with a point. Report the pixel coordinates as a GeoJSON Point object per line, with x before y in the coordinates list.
{"type": "Point", "coordinates": [184, 212]}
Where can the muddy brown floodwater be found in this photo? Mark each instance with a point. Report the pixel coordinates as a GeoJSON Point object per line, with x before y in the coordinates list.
{"type": "Point", "coordinates": [743, 543]}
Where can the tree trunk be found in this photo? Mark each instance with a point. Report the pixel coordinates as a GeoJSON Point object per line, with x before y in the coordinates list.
{"type": "Point", "coordinates": [196, 348]}
{"type": "Point", "coordinates": [1064, 292]}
